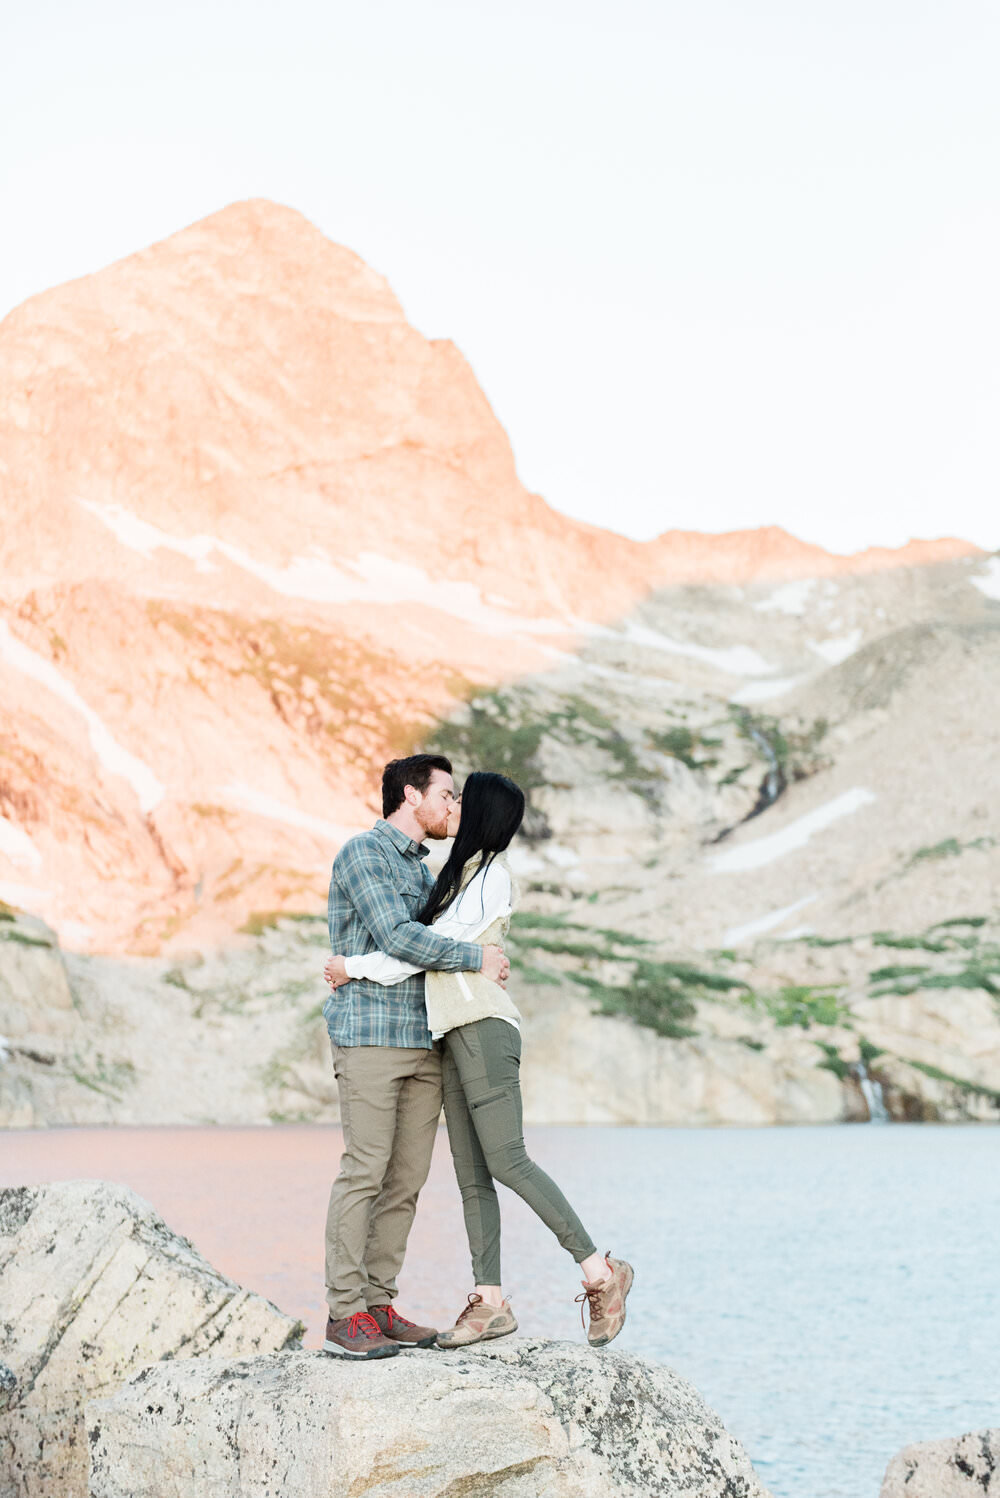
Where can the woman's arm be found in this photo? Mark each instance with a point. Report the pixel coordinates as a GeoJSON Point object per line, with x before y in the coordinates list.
{"type": "Point", "coordinates": [484, 899]}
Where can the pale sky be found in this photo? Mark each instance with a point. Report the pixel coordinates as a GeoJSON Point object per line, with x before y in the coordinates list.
{"type": "Point", "coordinates": [715, 263]}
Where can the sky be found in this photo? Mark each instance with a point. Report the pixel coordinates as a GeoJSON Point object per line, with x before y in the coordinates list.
{"type": "Point", "coordinates": [716, 264]}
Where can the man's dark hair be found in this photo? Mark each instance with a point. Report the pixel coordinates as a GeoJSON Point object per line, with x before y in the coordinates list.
{"type": "Point", "coordinates": [416, 771]}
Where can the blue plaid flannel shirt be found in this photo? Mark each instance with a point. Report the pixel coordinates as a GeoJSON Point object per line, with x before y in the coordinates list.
{"type": "Point", "coordinates": [378, 885]}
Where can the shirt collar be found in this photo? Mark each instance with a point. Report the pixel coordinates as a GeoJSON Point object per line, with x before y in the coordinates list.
{"type": "Point", "coordinates": [400, 840]}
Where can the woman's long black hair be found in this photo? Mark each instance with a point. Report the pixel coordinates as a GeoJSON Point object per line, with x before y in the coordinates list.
{"type": "Point", "coordinates": [492, 811]}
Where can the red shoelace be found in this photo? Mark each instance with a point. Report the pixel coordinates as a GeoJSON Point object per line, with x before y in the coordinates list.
{"type": "Point", "coordinates": [392, 1317]}
{"type": "Point", "coordinates": [362, 1324]}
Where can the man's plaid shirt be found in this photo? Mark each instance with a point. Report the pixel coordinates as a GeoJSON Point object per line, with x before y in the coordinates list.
{"type": "Point", "coordinates": [378, 885]}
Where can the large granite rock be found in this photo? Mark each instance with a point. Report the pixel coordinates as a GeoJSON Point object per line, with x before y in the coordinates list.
{"type": "Point", "coordinates": [94, 1286]}
{"type": "Point", "coordinates": [517, 1419]}
{"type": "Point", "coordinates": [965, 1467]}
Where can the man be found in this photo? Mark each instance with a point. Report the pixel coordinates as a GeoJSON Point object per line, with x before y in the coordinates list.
{"type": "Point", "coordinates": [387, 1067]}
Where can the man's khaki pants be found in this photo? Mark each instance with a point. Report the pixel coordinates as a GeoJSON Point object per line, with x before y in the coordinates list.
{"type": "Point", "coordinates": [390, 1103]}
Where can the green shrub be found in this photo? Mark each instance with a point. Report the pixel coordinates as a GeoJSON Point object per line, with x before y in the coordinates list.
{"type": "Point", "coordinates": [886, 974]}
{"type": "Point", "coordinates": [659, 1006]}
{"type": "Point", "coordinates": [960, 1083]}
{"type": "Point", "coordinates": [259, 921]}
{"type": "Point", "coordinates": [536, 975]}
{"type": "Point", "coordinates": [799, 1004]}
{"type": "Point", "coordinates": [868, 1052]}
{"type": "Point", "coordinates": [493, 738]}
{"type": "Point", "coordinates": [833, 1060]}
{"type": "Point", "coordinates": [908, 943]}
{"type": "Point", "coordinates": [681, 743]}
{"type": "Point", "coordinates": [22, 939]}
{"type": "Point", "coordinates": [532, 919]}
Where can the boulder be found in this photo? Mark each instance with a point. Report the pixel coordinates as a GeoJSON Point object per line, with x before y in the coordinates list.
{"type": "Point", "coordinates": [961, 1467]}
{"type": "Point", "coordinates": [94, 1286]}
{"type": "Point", "coordinates": [516, 1419]}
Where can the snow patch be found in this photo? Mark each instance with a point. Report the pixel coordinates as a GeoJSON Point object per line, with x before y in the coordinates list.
{"type": "Point", "coordinates": [989, 581]}
{"type": "Point", "coordinates": [16, 845]}
{"type": "Point", "coordinates": [370, 578]}
{"type": "Point", "coordinates": [279, 811]}
{"type": "Point", "coordinates": [789, 599]}
{"type": "Point", "coordinates": [836, 651]}
{"type": "Point", "coordinates": [563, 858]}
{"type": "Point", "coordinates": [24, 896]}
{"type": "Point", "coordinates": [523, 862]}
{"type": "Point", "coordinates": [107, 749]}
{"type": "Point", "coordinates": [765, 850]}
{"type": "Point", "coordinates": [737, 660]}
{"type": "Point", "coordinates": [762, 691]}
{"type": "Point", "coordinates": [737, 934]}
{"type": "Point", "coordinates": [74, 934]}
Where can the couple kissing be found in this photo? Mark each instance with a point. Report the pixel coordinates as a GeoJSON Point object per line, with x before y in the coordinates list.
{"type": "Point", "coordinates": [419, 1013]}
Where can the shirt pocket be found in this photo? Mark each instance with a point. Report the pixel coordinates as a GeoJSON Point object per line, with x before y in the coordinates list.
{"type": "Point", "coordinates": [414, 890]}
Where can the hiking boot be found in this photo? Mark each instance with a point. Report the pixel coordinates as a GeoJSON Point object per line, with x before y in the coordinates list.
{"type": "Point", "coordinates": [606, 1302]}
{"type": "Point", "coordinates": [479, 1322]}
{"type": "Point", "coordinates": [397, 1329]}
{"type": "Point", "coordinates": [357, 1336]}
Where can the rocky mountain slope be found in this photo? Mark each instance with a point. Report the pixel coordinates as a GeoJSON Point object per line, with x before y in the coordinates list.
{"type": "Point", "coordinates": [733, 911]}
{"type": "Point", "coordinates": [258, 533]}
{"type": "Point", "coordinates": [263, 535]}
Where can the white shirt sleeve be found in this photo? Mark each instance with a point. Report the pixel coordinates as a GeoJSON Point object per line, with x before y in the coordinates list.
{"type": "Point", "coordinates": [485, 899]}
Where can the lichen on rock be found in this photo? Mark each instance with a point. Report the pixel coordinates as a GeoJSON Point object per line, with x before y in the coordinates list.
{"type": "Point", "coordinates": [962, 1467]}
{"type": "Point", "coordinates": [521, 1419]}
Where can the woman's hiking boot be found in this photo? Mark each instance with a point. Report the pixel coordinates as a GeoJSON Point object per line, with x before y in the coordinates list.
{"type": "Point", "coordinates": [357, 1336]}
{"type": "Point", "coordinates": [479, 1322]}
{"type": "Point", "coordinates": [605, 1299]}
{"type": "Point", "coordinates": [396, 1327]}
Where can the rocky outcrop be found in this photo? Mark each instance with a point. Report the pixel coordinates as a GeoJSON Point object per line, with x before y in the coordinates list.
{"type": "Point", "coordinates": [968, 1467]}
{"type": "Point", "coordinates": [94, 1286]}
{"type": "Point", "coordinates": [236, 1037]}
{"type": "Point", "coordinates": [38, 1023]}
{"type": "Point", "coordinates": [517, 1419]}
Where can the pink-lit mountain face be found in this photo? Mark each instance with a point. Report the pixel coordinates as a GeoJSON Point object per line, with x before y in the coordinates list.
{"type": "Point", "coordinates": [258, 533]}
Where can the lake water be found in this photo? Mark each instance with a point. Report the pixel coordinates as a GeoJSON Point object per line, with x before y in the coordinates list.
{"type": "Point", "coordinates": [833, 1292]}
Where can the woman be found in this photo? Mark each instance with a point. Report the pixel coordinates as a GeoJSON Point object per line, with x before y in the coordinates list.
{"type": "Point", "coordinates": [479, 1027]}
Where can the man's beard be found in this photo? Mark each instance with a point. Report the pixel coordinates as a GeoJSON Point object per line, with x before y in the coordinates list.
{"type": "Point", "coordinates": [438, 832]}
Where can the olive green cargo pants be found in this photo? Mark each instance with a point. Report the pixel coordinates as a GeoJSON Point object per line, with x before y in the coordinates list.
{"type": "Point", "coordinates": [482, 1106]}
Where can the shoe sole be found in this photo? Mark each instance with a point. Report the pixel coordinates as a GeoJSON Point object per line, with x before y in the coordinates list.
{"type": "Point", "coordinates": [334, 1350]}
{"type": "Point", "coordinates": [486, 1337]}
{"type": "Point", "coordinates": [424, 1342]}
{"type": "Point", "coordinates": [603, 1341]}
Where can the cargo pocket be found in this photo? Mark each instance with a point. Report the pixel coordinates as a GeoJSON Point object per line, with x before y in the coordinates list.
{"type": "Point", "coordinates": [496, 1119]}
{"type": "Point", "coordinates": [467, 1051]}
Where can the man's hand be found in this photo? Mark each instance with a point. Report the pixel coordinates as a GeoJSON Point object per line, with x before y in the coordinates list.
{"type": "Point", "coordinates": [335, 972]}
{"type": "Point", "coordinates": [495, 966]}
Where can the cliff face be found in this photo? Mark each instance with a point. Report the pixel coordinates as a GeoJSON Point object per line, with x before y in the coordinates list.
{"type": "Point", "coordinates": [259, 532]}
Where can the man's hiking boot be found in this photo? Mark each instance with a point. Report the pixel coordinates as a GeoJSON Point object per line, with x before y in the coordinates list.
{"type": "Point", "coordinates": [605, 1300]}
{"type": "Point", "coordinates": [357, 1336]}
{"type": "Point", "coordinates": [397, 1329]}
{"type": "Point", "coordinates": [479, 1322]}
